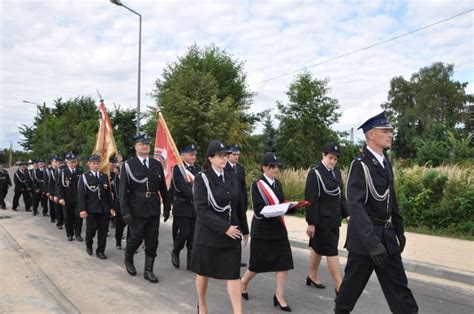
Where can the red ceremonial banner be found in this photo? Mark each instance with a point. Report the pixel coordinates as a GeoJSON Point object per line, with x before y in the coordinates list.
{"type": "Point", "coordinates": [165, 149]}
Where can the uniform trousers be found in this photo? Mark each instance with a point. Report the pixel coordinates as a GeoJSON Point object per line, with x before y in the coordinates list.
{"type": "Point", "coordinates": [97, 222]}
{"type": "Point", "coordinates": [26, 199]}
{"type": "Point", "coordinates": [185, 234]}
{"type": "Point", "coordinates": [119, 227]}
{"type": "Point", "coordinates": [72, 220]}
{"type": "Point", "coordinates": [34, 196]}
{"type": "Point", "coordinates": [52, 211]}
{"type": "Point", "coordinates": [392, 279]}
{"type": "Point", "coordinates": [140, 229]}
{"type": "Point", "coordinates": [58, 209]}
{"type": "Point", "coordinates": [39, 197]}
{"type": "Point", "coordinates": [3, 194]}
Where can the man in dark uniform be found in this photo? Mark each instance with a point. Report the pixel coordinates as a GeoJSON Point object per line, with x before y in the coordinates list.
{"type": "Point", "coordinates": [234, 167]}
{"type": "Point", "coordinates": [66, 187]}
{"type": "Point", "coordinates": [142, 183]}
{"type": "Point", "coordinates": [47, 189]}
{"type": "Point", "coordinates": [184, 214]}
{"type": "Point", "coordinates": [39, 196]}
{"type": "Point", "coordinates": [375, 225]}
{"type": "Point", "coordinates": [95, 205]}
{"type": "Point", "coordinates": [23, 187]}
{"type": "Point", "coordinates": [54, 205]}
{"type": "Point", "coordinates": [5, 183]}
{"type": "Point", "coordinates": [32, 167]}
{"type": "Point", "coordinates": [115, 184]}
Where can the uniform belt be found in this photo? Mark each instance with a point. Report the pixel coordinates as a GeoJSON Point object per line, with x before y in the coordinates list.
{"type": "Point", "coordinates": [147, 194]}
{"type": "Point", "coordinates": [381, 222]}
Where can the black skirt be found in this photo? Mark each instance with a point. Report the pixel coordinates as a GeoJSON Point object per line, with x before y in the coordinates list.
{"type": "Point", "coordinates": [216, 262]}
{"type": "Point", "coordinates": [270, 255]}
{"type": "Point", "coordinates": [325, 241]}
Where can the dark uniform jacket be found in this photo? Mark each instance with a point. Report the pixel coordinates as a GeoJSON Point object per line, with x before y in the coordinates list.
{"type": "Point", "coordinates": [66, 185]}
{"type": "Point", "coordinates": [115, 186]}
{"type": "Point", "coordinates": [183, 199]}
{"type": "Point", "coordinates": [240, 172]}
{"type": "Point", "coordinates": [37, 177]}
{"type": "Point", "coordinates": [363, 234]}
{"type": "Point", "coordinates": [22, 181]}
{"type": "Point", "coordinates": [99, 201]}
{"type": "Point", "coordinates": [5, 181]}
{"type": "Point", "coordinates": [142, 200]}
{"type": "Point", "coordinates": [51, 182]}
{"type": "Point", "coordinates": [211, 225]}
{"type": "Point", "coordinates": [266, 228]}
{"type": "Point", "coordinates": [325, 211]}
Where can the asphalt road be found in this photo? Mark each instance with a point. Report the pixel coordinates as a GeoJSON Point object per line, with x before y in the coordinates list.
{"type": "Point", "coordinates": [64, 273]}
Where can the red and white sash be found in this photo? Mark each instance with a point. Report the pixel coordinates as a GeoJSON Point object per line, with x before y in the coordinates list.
{"type": "Point", "coordinates": [269, 197]}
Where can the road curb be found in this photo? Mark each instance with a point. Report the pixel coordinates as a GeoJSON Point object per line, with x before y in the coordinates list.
{"type": "Point", "coordinates": [414, 267]}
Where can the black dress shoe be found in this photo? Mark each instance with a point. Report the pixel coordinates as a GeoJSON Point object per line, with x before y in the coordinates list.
{"type": "Point", "coordinates": [79, 238]}
{"type": "Point", "coordinates": [242, 264]}
{"type": "Point", "coordinates": [175, 259]}
{"type": "Point", "coordinates": [245, 295]}
{"type": "Point", "coordinates": [59, 227]}
{"type": "Point", "coordinates": [310, 282]}
{"type": "Point", "coordinates": [89, 250]}
{"type": "Point", "coordinates": [101, 255]}
{"type": "Point", "coordinates": [118, 246]}
{"type": "Point", "coordinates": [14, 209]}
{"type": "Point", "coordinates": [35, 213]}
{"type": "Point", "coordinates": [69, 238]}
{"type": "Point", "coordinates": [285, 308]}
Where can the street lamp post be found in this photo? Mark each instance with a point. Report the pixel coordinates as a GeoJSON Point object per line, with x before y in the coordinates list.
{"type": "Point", "coordinates": [37, 114]}
{"type": "Point", "coordinates": [119, 3]}
{"type": "Point", "coordinates": [33, 103]}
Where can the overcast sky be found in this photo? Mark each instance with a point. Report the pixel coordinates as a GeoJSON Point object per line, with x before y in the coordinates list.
{"type": "Point", "coordinates": [52, 49]}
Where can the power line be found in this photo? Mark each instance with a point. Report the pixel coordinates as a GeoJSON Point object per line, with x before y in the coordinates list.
{"type": "Point", "coordinates": [364, 48]}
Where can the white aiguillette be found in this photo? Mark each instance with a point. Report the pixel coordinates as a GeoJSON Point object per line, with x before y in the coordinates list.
{"type": "Point", "coordinates": [277, 210]}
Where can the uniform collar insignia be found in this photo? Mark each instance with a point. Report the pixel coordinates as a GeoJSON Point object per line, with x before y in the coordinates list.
{"type": "Point", "coordinates": [374, 160]}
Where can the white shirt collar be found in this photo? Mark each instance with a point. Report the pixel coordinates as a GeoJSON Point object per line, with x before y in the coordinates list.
{"type": "Point", "coordinates": [142, 158]}
{"type": "Point", "coordinates": [231, 164]}
{"type": "Point", "coordinates": [271, 181]}
{"type": "Point", "coordinates": [380, 158]}
{"type": "Point", "coordinates": [219, 173]}
{"type": "Point", "coordinates": [187, 165]}
{"type": "Point", "coordinates": [329, 169]}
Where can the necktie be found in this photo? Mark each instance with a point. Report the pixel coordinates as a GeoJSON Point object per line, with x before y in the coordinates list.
{"type": "Point", "coordinates": [222, 178]}
{"type": "Point", "coordinates": [144, 163]}
{"type": "Point", "coordinates": [72, 171]}
{"type": "Point", "coordinates": [333, 174]}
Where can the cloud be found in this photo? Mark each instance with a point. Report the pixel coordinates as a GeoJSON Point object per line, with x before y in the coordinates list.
{"type": "Point", "coordinates": [52, 49]}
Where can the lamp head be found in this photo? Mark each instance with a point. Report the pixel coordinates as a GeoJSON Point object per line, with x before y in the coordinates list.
{"type": "Point", "coordinates": [117, 2]}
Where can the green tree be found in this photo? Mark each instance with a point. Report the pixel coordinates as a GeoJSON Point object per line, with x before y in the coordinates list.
{"type": "Point", "coordinates": [305, 121]}
{"type": "Point", "coordinates": [203, 96]}
{"type": "Point", "coordinates": [124, 124]}
{"type": "Point", "coordinates": [431, 98]}
{"type": "Point", "coordinates": [269, 136]}
{"type": "Point", "coordinates": [68, 126]}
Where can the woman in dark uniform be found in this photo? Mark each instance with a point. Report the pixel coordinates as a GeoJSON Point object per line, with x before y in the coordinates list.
{"type": "Point", "coordinates": [219, 222]}
{"type": "Point", "coordinates": [327, 207]}
{"type": "Point", "coordinates": [270, 249]}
